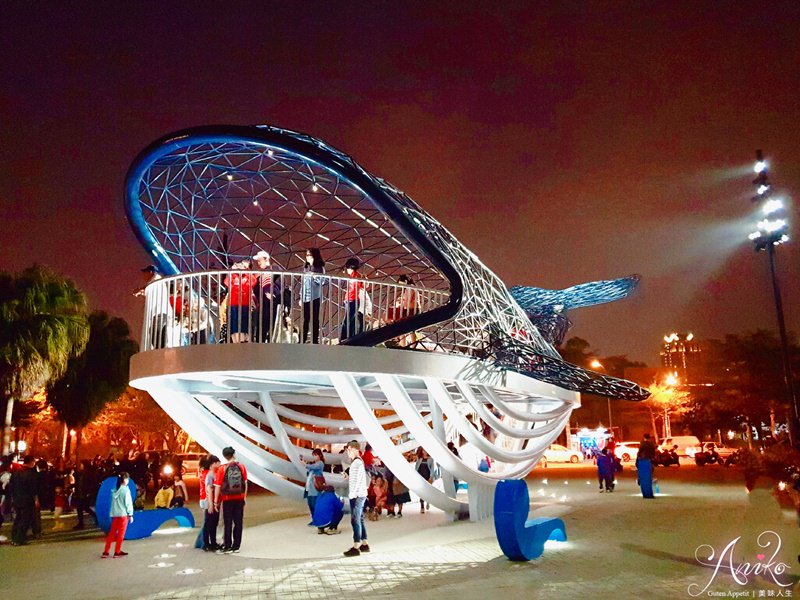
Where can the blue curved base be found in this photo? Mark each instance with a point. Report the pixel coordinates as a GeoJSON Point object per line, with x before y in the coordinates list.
{"type": "Point", "coordinates": [519, 537]}
{"type": "Point", "coordinates": [645, 473]}
{"type": "Point", "coordinates": [145, 522]}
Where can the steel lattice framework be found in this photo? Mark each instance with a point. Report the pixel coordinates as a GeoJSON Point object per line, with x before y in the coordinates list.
{"type": "Point", "coordinates": [216, 203]}
{"type": "Point", "coordinates": [202, 198]}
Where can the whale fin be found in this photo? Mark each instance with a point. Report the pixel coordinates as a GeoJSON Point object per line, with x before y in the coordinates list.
{"type": "Point", "coordinates": [533, 299]}
{"type": "Point", "coordinates": [522, 539]}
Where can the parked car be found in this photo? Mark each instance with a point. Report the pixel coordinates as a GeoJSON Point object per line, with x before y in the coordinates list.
{"type": "Point", "coordinates": [626, 451]}
{"type": "Point", "coordinates": [559, 453]}
{"type": "Point", "coordinates": [688, 445]}
{"type": "Point", "coordinates": [723, 451]}
{"type": "Point", "coordinates": [190, 464]}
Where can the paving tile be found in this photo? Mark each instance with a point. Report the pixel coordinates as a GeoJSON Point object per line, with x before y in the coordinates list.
{"type": "Point", "coordinates": [620, 546]}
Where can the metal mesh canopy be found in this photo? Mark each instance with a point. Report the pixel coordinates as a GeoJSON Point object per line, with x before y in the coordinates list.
{"type": "Point", "coordinates": [214, 203]}
{"type": "Point", "coordinates": [206, 197]}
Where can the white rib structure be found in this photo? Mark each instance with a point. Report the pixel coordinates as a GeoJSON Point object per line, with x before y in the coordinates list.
{"type": "Point", "coordinates": [272, 402]}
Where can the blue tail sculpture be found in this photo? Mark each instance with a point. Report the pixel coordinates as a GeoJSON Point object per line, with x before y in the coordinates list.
{"type": "Point", "coordinates": [145, 522]}
{"type": "Point", "coordinates": [519, 537]}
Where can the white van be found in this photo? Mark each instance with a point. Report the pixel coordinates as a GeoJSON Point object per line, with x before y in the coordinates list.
{"type": "Point", "coordinates": [688, 445]}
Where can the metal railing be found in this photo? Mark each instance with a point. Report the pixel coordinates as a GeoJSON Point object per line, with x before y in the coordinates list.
{"type": "Point", "coordinates": [238, 306]}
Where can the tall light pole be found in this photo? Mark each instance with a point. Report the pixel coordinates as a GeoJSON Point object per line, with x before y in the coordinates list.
{"type": "Point", "coordinates": [671, 381]}
{"type": "Point", "coordinates": [772, 231]}
{"type": "Point", "coordinates": [597, 365]}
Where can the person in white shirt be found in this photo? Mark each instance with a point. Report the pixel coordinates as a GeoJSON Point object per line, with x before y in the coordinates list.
{"type": "Point", "coordinates": [357, 483]}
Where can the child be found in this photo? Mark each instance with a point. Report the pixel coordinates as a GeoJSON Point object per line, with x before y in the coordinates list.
{"type": "Point", "coordinates": [138, 502]}
{"type": "Point", "coordinates": [164, 496]}
{"type": "Point", "coordinates": [370, 504]}
{"type": "Point", "coordinates": [211, 513]}
{"type": "Point", "coordinates": [400, 496]}
{"type": "Point", "coordinates": [59, 503]}
{"type": "Point", "coordinates": [180, 493]}
{"type": "Point", "coordinates": [380, 490]}
{"type": "Point", "coordinates": [605, 471]}
{"type": "Point", "coordinates": [121, 514]}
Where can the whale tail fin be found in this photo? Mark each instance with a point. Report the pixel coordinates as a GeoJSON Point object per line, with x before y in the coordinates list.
{"type": "Point", "coordinates": [547, 308]}
{"type": "Point", "coordinates": [577, 296]}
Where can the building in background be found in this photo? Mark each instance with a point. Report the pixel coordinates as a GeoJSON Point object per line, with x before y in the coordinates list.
{"type": "Point", "coordinates": [681, 355]}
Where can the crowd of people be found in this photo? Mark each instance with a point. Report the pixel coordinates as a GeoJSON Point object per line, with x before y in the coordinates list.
{"type": "Point", "coordinates": [371, 489]}
{"type": "Point", "coordinates": [258, 308]}
{"type": "Point", "coordinates": [30, 486]}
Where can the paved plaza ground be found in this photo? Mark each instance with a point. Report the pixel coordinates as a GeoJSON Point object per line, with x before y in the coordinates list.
{"type": "Point", "coordinates": [619, 546]}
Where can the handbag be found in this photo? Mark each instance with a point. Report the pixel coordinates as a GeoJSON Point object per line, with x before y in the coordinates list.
{"type": "Point", "coordinates": [319, 483]}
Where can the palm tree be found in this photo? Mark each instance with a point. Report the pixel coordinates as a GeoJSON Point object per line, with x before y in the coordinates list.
{"type": "Point", "coordinates": [96, 377]}
{"type": "Point", "coordinates": [42, 325]}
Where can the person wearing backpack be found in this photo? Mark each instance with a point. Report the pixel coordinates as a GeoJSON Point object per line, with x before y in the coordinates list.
{"type": "Point", "coordinates": [230, 490]}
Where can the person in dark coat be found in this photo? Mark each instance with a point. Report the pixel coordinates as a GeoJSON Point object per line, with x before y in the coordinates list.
{"type": "Point", "coordinates": [327, 512]}
{"type": "Point", "coordinates": [45, 486]}
{"type": "Point", "coordinates": [605, 471]}
{"type": "Point", "coordinates": [644, 465]}
{"type": "Point", "coordinates": [452, 447]}
{"type": "Point", "coordinates": [24, 495]}
{"type": "Point", "coordinates": [85, 492]}
{"type": "Point", "coordinates": [647, 448]}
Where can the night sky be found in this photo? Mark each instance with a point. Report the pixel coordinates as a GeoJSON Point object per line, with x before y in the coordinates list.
{"type": "Point", "coordinates": [560, 144]}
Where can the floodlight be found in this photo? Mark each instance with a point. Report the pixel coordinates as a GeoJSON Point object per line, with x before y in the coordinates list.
{"type": "Point", "coordinates": [771, 226]}
{"type": "Point", "coordinates": [771, 206]}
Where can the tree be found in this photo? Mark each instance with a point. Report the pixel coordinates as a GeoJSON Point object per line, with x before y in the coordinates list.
{"type": "Point", "coordinates": [576, 351]}
{"type": "Point", "coordinates": [136, 416]}
{"type": "Point", "coordinates": [42, 325]}
{"type": "Point", "coordinates": [666, 400]}
{"type": "Point", "coordinates": [616, 365]}
{"type": "Point", "coordinates": [97, 376]}
{"type": "Point", "coordinates": [748, 387]}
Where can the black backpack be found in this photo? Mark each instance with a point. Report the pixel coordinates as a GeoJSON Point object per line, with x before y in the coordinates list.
{"type": "Point", "coordinates": [424, 470]}
{"type": "Point", "coordinates": [233, 480]}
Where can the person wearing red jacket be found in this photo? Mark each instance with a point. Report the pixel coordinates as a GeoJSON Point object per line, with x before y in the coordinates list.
{"type": "Point", "coordinates": [239, 302]}
{"type": "Point", "coordinates": [230, 492]}
{"type": "Point", "coordinates": [353, 323]}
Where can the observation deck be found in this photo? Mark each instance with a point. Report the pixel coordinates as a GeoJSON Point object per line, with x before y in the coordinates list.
{"type": "Point", "coordinates": [289, 356]}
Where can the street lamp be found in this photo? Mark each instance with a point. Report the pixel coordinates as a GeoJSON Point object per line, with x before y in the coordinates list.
{"type": "Point", "coordinates": [772, 230]}
{"type": "Point", "coordinates": [671, 382]}
{"type": "Point", "coordinates": [597, 365]}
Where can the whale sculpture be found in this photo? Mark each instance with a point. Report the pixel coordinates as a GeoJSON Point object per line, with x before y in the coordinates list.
{"type": "Point", "coordinates": [451, 357]}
